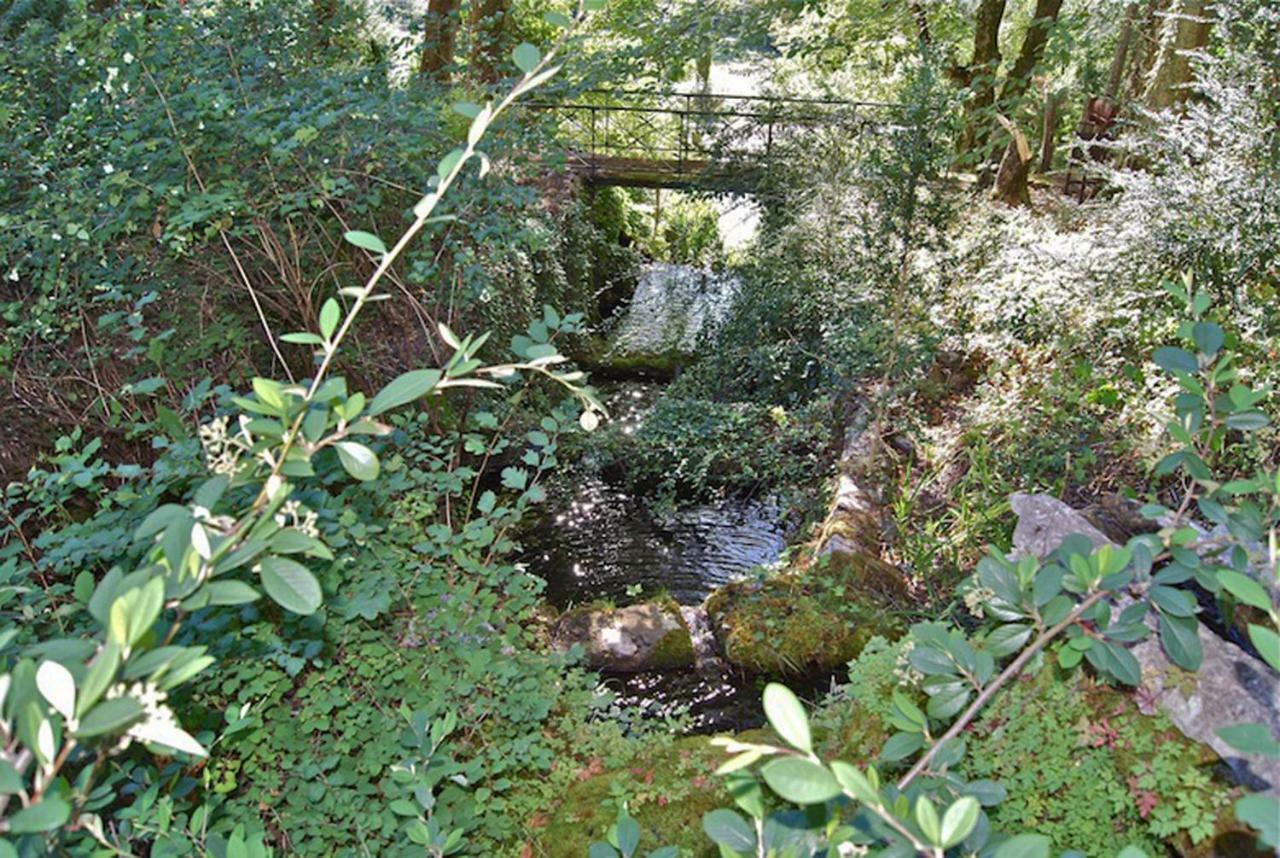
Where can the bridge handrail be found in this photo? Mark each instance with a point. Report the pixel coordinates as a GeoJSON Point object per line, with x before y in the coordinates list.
{"type": "Point", "coordinates": [792, 99]}
{"type": "Point", "coordinates": [675, 111]}
{"type": "Point", "coordinates": [694, 130]}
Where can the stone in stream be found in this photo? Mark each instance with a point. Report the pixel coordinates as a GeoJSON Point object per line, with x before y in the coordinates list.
{"type": "Point", "coordinates": [810, 620]}
{"type": "Point", "coordinates": [1231, 686]}
{"type": "Point", "coordinates": [647, 636]}
{"type": "Point", "coordinates": [817, 616]}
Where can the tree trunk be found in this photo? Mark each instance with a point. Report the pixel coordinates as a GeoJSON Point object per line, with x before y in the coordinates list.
{"type": "Point", "coordinates": [1011, 179]}
{"type": "Point", "coordinates": [917, 10]}
{"type": "Point", "coordinates": [1120, 56]}
{"type": "Point", "coordinates": [441, 32]}
{"type": "Point", "coordinates": [1049, 130]}
{"type": "Point", "coordinates": [323, 13]}
{"type": "Point", "coordinates": [1019, 78]}
{"type": "Point", "coordinates": [1033, 43]}
{"type": "Point", "coordinates": [981, 74]}
{"type": "Point", "coordinates": [1185, 32]}
{"type": "Point", "coordinates": [1146, 47]}
{"type": "Point", "coordinates": [488, 24]}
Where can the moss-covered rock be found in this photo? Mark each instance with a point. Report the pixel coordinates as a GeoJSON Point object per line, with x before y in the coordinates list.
{"type": "Point", "coordinates": [649, 636]}
{"type": "Point", "coordinates": [810, 620]}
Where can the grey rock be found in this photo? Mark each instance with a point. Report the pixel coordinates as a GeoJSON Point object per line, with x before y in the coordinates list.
{"type": "Point", "coordinates": [1044, 521]}
{"type": "Point", "coordinates": [648, 636]}
{"type": "Point", "coordinates": [1231, 686]}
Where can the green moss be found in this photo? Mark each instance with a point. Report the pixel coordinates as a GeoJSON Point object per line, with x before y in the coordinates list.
{"type": "Point", "coordinates": [658, 365]}
{"type": "Point", "coordinates": [675, 650]}
{"type": "Point", "coordinates": [802, 622]}
{"type": "Point", "coordinates": [667, 790]}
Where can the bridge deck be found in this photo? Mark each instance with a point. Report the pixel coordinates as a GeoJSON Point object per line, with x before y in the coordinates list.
{"type": "Point", "coordinates": [664, 173]}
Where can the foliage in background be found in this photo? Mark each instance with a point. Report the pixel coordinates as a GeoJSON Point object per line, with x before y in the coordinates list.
{"type": "Point", "coordinates": [175, 189]}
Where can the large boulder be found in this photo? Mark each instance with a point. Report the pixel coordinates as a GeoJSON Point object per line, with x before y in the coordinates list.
{"type": "Point", "coordinates": [1231, 687]}
{"type": "Point", "coordinates": [648, 636]}
{"type": "Point", "coordinates": [811, 619]}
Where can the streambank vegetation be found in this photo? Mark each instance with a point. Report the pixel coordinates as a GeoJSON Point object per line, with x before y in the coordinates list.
{"type": "Point", "coordinates": [386, 474]}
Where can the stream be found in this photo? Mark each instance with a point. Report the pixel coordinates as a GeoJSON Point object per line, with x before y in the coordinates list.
{"type": "Point", "coordinates": [593, 541]}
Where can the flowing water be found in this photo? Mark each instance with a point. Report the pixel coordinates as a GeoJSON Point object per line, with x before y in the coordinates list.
{"type": "Point", "coordinates": [672, 306]}
{"type": "Point", "coordinates": [596, 541]}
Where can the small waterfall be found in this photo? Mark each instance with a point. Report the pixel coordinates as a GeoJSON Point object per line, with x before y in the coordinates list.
{"type": "Point", "coordinates": [672, 307]}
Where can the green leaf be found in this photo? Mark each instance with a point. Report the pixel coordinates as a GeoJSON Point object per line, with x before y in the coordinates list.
{"type": "Point", "coordinates": [855, 783]}
{"type": "Point", "coordinates": [1178, 603]}
{"type": "Point", "coordinates": [1251, 739]}
{"type": "Point", "coordinates": [330, 314]}
{"type": "Point", "coordinates": [960, 820]}
{"type": "Point", "coordinates": [291, 585]}
{"type": "Point", "coordinates": [1261, 812]}
{"type": "Point", "coordinates": [1267, 643]}
{"type": "Point", "coordinates": [110, 716]}
{"type": "Point", "coordinates": [99, 676]}
{"type": "Point", "coordinates": [268, 392]}
{"type": "Point", "coordinates": [787, 717]}
{"type": "Point", "coordinates": [1208, 337]}
{"type": "Point", "coordinates": [799, 780]}
{"type": "Point", "coordinates": [1247, 421]}
{"type": "Point", "coordinates": [231, 593]}
{"type": "Point", "coordinates": [1245, 589]}
{"type": "Point", "coordinates": [1175, 359]}
{"type": "Point", "coordinates": [526, 57]}
{"type": "Point", "coordinates": [358, 460]}
{"type": "Point", "coordinates": [727, 828]}
{"type": "Point", "coordinates": [134, 611]}
{"type": "Point", "coordinates": [556, 19]}
{"type": "Point", "coordinates": [949, 701]}
{"type": "Point", "coordinates": [303, 338]}
{"type": "Point", "coordinates": [366, 241]}
{"type": "Point", "coordinates": [1007, 640]}
{"type": "Point", "coordinates": [1111, 559]}
{"type": "Point", "coordinates": [628, 833]}
{"type": "Point", "coordinates": [1123, 665]}
{"type": "Point", "coordinates": [909, 710]}
{"type": "Point", "coordinates": [900, 746]}
{"type": "Point", "coordinates": [927, 819]}
{"type": "Point", "coordinates": [48, 814]}
{"type": "Point", "coordinates": [1025, 846]}
{"type": "Point", "coordinates": [10, 780]}
{"type": "Point", "coordinates": [1180, 638]}
{"type": "Point", "coordinates": [601, 850]}
{"type": "Point", "coordinates": [404, 388]}
{"type": "Point", "coordinates": [449, 163]}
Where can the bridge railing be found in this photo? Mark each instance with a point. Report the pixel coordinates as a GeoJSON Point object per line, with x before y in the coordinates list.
{"type": "Point", "coordinates": [692, 131]}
